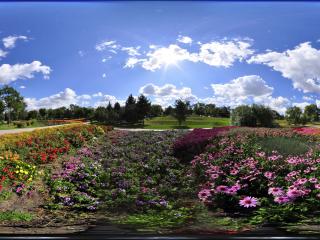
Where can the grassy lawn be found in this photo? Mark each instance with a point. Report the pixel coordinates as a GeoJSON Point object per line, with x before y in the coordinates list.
{"type": "Point", "coordinates": [5, 126]}
{"type": "Point", "coordinates": [168, 122]}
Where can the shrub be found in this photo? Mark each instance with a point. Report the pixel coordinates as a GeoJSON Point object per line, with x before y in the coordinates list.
{"type": "Point", "coordinates": [194, 142]}
{"type": "Point", "coordinates": [252, 116]}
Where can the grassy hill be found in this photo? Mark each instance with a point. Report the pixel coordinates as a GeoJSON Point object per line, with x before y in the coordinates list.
{"type": "Point", "coordinates": [168, 122]}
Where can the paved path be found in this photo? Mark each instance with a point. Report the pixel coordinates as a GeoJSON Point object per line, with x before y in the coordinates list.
{"type": "Point", "coordinates": [21, 130]}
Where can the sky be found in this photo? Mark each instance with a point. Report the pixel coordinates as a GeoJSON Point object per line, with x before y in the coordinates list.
{"type": "Point", "coordinates": [57, 54]}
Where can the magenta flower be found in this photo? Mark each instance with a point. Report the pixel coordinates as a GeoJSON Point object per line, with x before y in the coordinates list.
{"type": "Point", "coordinates": [204, 194]}
{"type": "Point", "coordinates": [317, 186]}
{"type": "Point", "coordinates": [214, 176]}
{"type": "Point", "coordinates": [249, 202]}
{"type": "Point", "coordinates": [275, 191]}
{"type": "Point", "coordinates": [269, 175]}
{"type": "Point", "coordinates": [294, 193]}
{"type": "Point", "coordinates": [313, 180]}
{"type": "Point", "coordinates": [281, 199]}
{"type": "Point", "coordinates": [222, 188]}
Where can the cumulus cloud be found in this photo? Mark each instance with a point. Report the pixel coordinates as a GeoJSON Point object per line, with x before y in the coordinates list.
{"type": "Point", "coordinates": [3, 54]}
{"type": "Point", "coordinates": [10, 41]}
{"type": "Point", "coordinates": [10, 73]}
{"type": "Point", "coordinates": [216, 54]}
{"type": "Point", "coordinates": [224, 53]}
{"type": "Point", "coordinates": [167, 94]}
{"type": "Point", "coordinates": [184, 39]}
{"type": "Point", "coordinates": [22, 87]}
{"type": "Point", "coordinates": [98, 94]}
{"type": "Point", "coordinates": [108, 98]}
{"type": "Point", "coordinates": [64, 98]}
{"type": "Point", "coordinates": [301, 65]}
{"type": "Point", "coordinates": [242, 88]}
{"type": "Point", "coordinates": [301, 105]}
{"type": "Point", "coordinates": [280, 104]}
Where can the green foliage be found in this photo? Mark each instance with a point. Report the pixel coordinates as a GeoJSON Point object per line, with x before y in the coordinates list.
{"type": "Point", "coordinates": [252, 116]}
{"type": "Point", "coordinates": [181, 111]}
{"type": "Point", "coordinates": [16, 216]}
{"type": "Point", "coordinates": [312, 112]}
{"type": "Point", "coordinates": [294, 115]}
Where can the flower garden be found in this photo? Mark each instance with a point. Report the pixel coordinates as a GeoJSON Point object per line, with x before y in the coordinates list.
{"type": "Point", "coordinates": [221, 180]}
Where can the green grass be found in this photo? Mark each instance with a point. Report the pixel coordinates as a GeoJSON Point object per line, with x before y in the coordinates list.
{"type": "Point", "coordinates": [15, 216]}
{"type": "Point", "coordinates": [5, 126]}
{"type": "Point", "coordinates": [168, 122]}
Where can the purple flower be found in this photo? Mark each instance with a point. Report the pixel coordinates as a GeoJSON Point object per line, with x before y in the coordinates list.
{"type": "Point", "coordinates": [249, 202]}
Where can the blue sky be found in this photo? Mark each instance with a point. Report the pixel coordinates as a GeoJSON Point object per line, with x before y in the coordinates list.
{"type": "Point", "coordinates": [89, 54]}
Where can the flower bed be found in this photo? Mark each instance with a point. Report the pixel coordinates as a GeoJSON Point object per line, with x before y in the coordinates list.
{"type": "Point", "coordinates": [193, 143]}
{"type": "Point", "coordinates": [236, 174]}
{"type": "Point", "coordinates": [21, 155]}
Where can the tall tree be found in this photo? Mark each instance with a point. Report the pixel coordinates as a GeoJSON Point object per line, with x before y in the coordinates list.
{"type": "Point", "coordinates": [130, 113]}
{"type": "Point", "coordinates": [312, 112]}
{"type": "Point", "coordinates": [13, 102]}
{"type": "Point", "coordinates": [43, 113]}
{"type": "Point", "coordinates": [294, 115]}
{"type": "Point", "coordinates": [2, 108]}
{"type": "Point", "coordinates": [143, 107]}
{"type": "Point", "coordinates": [109, 107]}
{"type": "Point", "coordinates": [181, 111]}
{"type": "Point", "coordinates": [117, 107]}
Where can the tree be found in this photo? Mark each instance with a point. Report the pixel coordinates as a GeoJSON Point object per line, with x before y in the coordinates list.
{"type": "Point", "coordinates": [43, 113]}
{"type": "Point", "coordinates": [156, 110]}
{"type": "Point", "coordinates": [294, 115]}
{"type": "Point", "coordinates": [109, 107]}
{"type": "Point", "coordinates": [243, 116]}
{"type": "Point", "coordinates": [168, 111]}
{"type": "Point", "coordinates": [130, 114]}
{"type": "Point", "coordinates": [143, 107]}
{"type": "Point", "coordinates": [101, 114]}
{"type": "Point", "coordinates": [117, 107]}
{"type": "Point", "coordinates": [33, 114]}
{"type": "Point", "coordinates": [311, 112]}
{"type": "Point", "coordinates": [181, 111]}
{"type": "Point", "coordinates": [264, 115]}
{"type": "Point", "coordinates": [13, 102]}
{"type": "Point", "coordinates": [2, 108]}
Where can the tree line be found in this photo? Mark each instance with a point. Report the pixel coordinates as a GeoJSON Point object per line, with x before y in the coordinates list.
{"type": "Point", "coordinates": [135, 110]}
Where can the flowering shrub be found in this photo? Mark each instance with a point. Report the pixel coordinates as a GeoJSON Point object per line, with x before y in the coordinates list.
{"type": "Point", "coordinates": [193, 143]}
{"type": "Point", "coordinates": [238, 176]}
{"type": "Point", "coordinates": [307, 131]}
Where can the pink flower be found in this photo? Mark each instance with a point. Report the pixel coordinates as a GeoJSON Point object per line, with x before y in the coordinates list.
{"type": "Point", "coordinates": [317, 186]}
{"type": "Point", "coordinates": [222, 188]}
{"type": "Point", "coordinates": [294, 193]}
{"type": "Point", "coordinates": [302, 181]}
{"type": "Point", "coordinates": [214, 176]}
{"type": "Point", "coordinates": [275, 191]}
{"type": "Point", "coordinates": [281, 199]}
{"type": "Point", "coordinates": [269, 175]}
{"type": "Point", "coordinates": [249, 202]}
{"type": "Point", "coordinates": [313, 180]}
{"type": "Point", "coordinates": [234, 172]}
{"type": "Point", "coordinates": [204, 194]}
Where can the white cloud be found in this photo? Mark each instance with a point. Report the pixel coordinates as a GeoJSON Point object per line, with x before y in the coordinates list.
{"type": "Point", "coordinates": [167, 94]}
{"type": "Point", "coordinates": [184, 39]}
{"type": "Point", "coordinates": [107, 44]}
{"type": "Point", "coordinates": [64, 98]}
{"type": "Point", "coordinates": [104, 75]}
{"type": "Point", "coordinates": [10, 73]}
{"type": "Point", "coordinates": [108, 98]}
{"type": "Point", "coordinates": [84, 97]}
{"type": "Point", "coordinates": [3, 54]}
{"type": "Point", "coordinates": [301, 65]}
{"type": "Point", "coordinates": [132, 51]}
{"type": "Point", "coordinates": [307, 98]}
{"type": "Point", "coordinates": [301, 105]}
{"type": "Point", "coordinates": [280, 104]}
{"type": "Point", "coordinates": [164, 56]}
{"type": "Point", "coordinates": [22, 87]}
{"type": "Point", "coordinates": [10, 41]}
{"type": "Point", "coordinates": [98, 94]}
{"type": "Point", "coordinates": [217, 54]}
{"type": "Point", "coordinates": [242, 88]}
{"type": "Point", "coordinates": [224, 53]}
